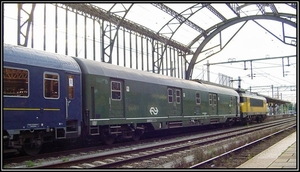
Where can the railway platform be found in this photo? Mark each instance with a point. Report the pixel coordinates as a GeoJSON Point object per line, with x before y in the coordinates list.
{"type": "Point", "coordinates": [281, 155]}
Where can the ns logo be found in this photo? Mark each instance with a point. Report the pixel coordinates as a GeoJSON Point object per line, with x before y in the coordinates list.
{"type": "Point", "coordinates": [153, 111]}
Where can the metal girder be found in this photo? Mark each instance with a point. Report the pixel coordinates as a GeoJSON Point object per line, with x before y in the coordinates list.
{"type": "Point", "coordinates": [215, 12]}
{"type": "Point", "coordinates": [218, 28]}
{"type": "Point", "coordinates": [234, 8]}
{"type": "Point", "coordinates": [294, 5]}
{"type": "Point", "coordinates": [237, 10]}
{"type": "Point", "coordinates": [28, 21]}
{"type": "Point", "coordinates": [261, 8]}
{"type": "Point", "coordinates": [283, 41]}
{"type": "Point", "coordinates": [179, 17]}
{"type": "Point", "coordinates": [99, 13]}
{"type": "Point", "coordinates": [106, 33]}
{"type": "Point", "coordinates": [209, 30]}
{"type": "Point", "coordinates": [274, 9]}
{"type": "Point", "coordinates": [181, 20]}
{"type": "Point", "coordinates": [96, 13]}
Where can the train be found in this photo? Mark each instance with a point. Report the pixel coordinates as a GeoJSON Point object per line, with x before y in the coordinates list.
{"type": "Point", "coordinates": [50, 97]}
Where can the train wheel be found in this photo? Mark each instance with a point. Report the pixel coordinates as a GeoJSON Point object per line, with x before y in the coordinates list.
{"type": "Point", "coordinates": [137, 135]}
{"type": "Point", "coordinates": [32, 148]}
{"type": "Point", "coordinates": [229, 122]}
{"type": "Point", "coordinates": [108, 138]}
{"type": "Point", "coordinates": [73, 141]}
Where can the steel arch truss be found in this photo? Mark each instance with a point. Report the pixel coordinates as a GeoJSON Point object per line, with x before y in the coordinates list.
{"type": "Point", "coordinates": [161, 41]}
{"type": "Point", "coordinates": [107, 29]}
{"type": "Point", "coordinates": [214, 30]}
{"type": "Point", "coordinates": [22, 13]}
{"type": "Point", "coordinates": [177, 21]}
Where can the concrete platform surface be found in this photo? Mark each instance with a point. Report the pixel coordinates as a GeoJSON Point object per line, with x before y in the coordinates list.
{"type": "Point", "coordinates": [281, 155]}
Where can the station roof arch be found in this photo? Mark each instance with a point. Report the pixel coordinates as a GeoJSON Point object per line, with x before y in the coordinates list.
{"type": "Point", "coordinates": [187, 26]}
{"type": "Point", "coordinates": [190, 26]}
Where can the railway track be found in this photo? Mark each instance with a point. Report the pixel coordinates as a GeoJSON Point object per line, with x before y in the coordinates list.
{"type": "Point", "coordinates": [237, 155]}
{"type": "Point", "coordinates": [136, 155]}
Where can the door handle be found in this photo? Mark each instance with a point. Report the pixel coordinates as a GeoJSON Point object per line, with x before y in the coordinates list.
{"type": "Point", "coordinates": [67, 107]}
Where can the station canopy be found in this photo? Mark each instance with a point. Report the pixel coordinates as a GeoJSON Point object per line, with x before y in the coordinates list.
{"type": "Point", "coordinates": [275, 101]}
{"type": "Point", "coordinates": [186, 26]}
{"type": "Point", "coordinates": [185, 22]}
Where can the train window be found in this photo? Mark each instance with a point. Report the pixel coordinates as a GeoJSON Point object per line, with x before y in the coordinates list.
{"type": "Point", "coordinates": [170, 95]}
{"type": "Point", "coordinates": [215, 99]}
{"type": "Point", "coordinates": [243, 99]}
{"type": "Point", "coordinates": [198, 99]}
{"type": "Point", "coordinates": [115, 90]}
{"type": "Point", "coordinates": [51, 85]}
{"type": "Point", "coordinates": [71, 87]}
{"type": "Point", "coordinates": [256, 102]}
{"type": "Point", "coordinates": [15, 82]}
{"type": "Point", "coordinates": [178, 96]}
{"type": "Point", "coordinates": [210, 99]}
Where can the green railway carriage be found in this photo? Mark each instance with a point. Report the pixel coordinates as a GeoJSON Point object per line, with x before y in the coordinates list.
{"type": "Point", "coordinates": [223, 104]}
{"type": "Point", "coordinates": [124, 102]}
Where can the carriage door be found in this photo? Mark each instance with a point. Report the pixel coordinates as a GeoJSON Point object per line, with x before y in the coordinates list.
{"type": "Point", "coordinates": [234, 105]}
{"type": "Point", "coordinates": [213, 103]}
{"type": "Point", "coordinates": [174, 100]}
{"type": "Point", "coordinates": [73, 105]}
{"type": "Point", "coordinates": [116, 100]}
{"type": "Point", "coordinates": [69, 95]}
{"type": "Point", "coordinates": [72, 97]}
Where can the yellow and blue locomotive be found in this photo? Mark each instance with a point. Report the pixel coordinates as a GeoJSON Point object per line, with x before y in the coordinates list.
{"type": "Point", "coordinates": [252, 107]}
